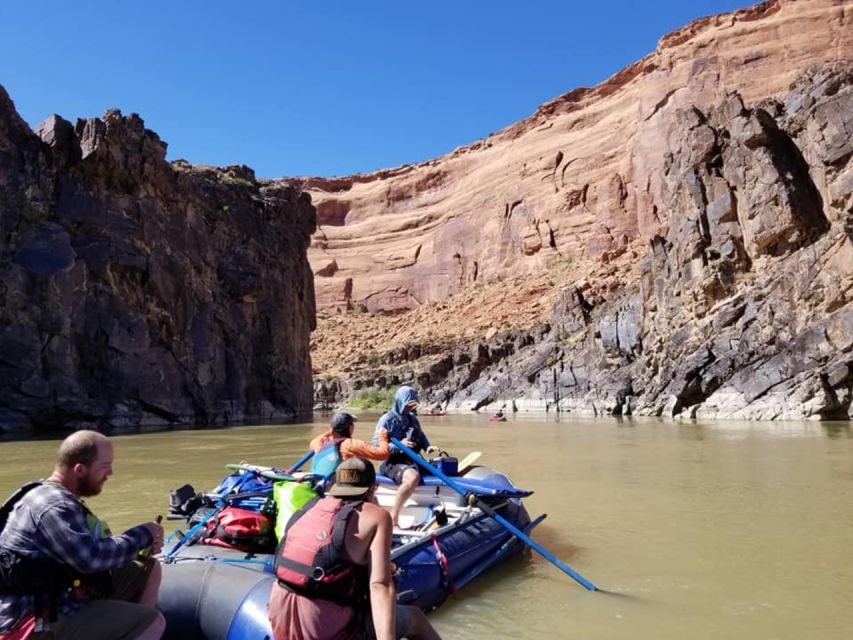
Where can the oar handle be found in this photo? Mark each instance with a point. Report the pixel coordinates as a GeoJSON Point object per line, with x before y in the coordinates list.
{"type": "Point", "coordinates": [499, 519]}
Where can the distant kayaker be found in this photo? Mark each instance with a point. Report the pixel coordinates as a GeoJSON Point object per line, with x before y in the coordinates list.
{"type": "Point", "coordinates": [332, 586]}
{"type": "Point", "coordinates": [63, 573]}
{"type": "Point", "coordinates": [337, 445]}
{"type": "Point", "coordinates": [402, 423]}
{"type": "Point", "coordinates": [499, 415]}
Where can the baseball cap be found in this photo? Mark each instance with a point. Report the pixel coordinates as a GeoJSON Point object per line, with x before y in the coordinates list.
{"type": "Point", "coordinates": [354, 477]}
{"type": "Point", "coordinates": [342, 420]}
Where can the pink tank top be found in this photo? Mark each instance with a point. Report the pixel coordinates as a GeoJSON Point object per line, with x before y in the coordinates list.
{"type": "Point", "coordinates": [295, 617]}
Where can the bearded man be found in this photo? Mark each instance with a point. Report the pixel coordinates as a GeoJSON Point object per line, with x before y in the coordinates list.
{"type": "Point", "coordinates": [62, 575]}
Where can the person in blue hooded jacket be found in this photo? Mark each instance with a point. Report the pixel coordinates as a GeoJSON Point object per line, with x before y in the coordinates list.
{"type": "Point", "coordinates": [402, 423]}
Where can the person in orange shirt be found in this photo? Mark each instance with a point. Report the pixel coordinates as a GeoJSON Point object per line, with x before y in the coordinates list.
{"type": "Point", "coordinates": [337, 445]}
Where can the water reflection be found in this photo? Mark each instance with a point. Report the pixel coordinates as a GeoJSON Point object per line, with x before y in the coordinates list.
{"type": "Point", "coordinates": [837, 429]}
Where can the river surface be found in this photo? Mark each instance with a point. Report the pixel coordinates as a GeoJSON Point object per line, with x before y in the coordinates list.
{"type": "Point", "coordinates": [722, 530]}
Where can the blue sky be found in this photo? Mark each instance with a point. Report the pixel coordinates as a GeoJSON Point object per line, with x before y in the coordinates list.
{"type": "Point", "coordinates": [320, 88]}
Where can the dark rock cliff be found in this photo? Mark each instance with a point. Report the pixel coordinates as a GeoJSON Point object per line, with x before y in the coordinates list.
{"type": "Point", "coordinates": [744, 307]}
{"type": "Point", "coordinates": [138, 292]}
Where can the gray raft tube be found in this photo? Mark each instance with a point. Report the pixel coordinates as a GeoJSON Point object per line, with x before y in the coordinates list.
{"type": "Point", "coordinates": [203, 600]}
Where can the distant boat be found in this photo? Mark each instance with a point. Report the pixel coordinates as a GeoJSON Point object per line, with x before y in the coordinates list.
{"type": "Point", "coordinates": [432, 414]}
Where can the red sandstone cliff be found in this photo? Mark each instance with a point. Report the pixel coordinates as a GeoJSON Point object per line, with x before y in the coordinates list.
{"type": "Point", "coordinates": [681, 233]}
{"type": "Point", "coordinates": [579, 180]}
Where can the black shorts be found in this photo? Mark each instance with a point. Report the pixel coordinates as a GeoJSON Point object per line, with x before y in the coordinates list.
{"type": "Point", "coordinates": [405, 613]}
{"type": "Point", "coordinates": [396, 471]}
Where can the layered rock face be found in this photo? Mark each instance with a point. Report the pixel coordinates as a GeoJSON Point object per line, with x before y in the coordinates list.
{"type": "Point", "coordinates": [135, 292]}
{"type": "Point", "coordinates": [580, 179]}
{"type": "Point", "coordinates": [704, 197]}
{"type": "Point", "coordinates": [743, 308]}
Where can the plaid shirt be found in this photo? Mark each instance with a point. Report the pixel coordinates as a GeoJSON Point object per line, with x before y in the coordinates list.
{"type": "Point", "coordinates": [50, 522]}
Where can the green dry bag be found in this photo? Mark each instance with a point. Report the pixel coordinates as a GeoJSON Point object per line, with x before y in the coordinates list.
{"type": "Point", "coordinates": [289, 497]}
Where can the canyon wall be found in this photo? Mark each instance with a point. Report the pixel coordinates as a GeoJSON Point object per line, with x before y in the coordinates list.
{"type": "Point", "coordinates": [580, 179]}
{"type": "Point", "coordinates": [703, 198]}
{"type": "Point", "coordinates": [742, 310]}
{"type": "Point", "coordinates": [136, 292]}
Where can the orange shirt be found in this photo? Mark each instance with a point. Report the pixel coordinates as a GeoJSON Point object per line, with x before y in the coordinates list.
{"type": "Point", "coordinates": [351, 447]}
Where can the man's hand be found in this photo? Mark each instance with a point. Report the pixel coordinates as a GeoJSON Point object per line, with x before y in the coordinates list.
{"type": "Point", "coordinates": [156, 531]}
{"type": "Point", "coordinates": [408, 443]}
{"type": "Point", "coordinates": [433, 451]}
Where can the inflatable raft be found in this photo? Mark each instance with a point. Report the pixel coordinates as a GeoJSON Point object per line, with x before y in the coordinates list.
{"type": "Point", "coordinates": [446, 541]}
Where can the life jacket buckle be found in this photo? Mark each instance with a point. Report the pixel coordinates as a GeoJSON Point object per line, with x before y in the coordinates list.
{"type": "Point", "coordinates": [318, 574]}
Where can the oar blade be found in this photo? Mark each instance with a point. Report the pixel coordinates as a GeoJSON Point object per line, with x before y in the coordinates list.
{"type": "Point", "coordinates": [468, 461]}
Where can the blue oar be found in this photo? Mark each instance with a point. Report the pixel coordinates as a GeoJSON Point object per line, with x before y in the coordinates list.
{"type": "Point", "coordinates": [493, 559]}
{"type": "Point", "coordinates": [506, 524]}
{"type": "Point", "coordinates": [301, 461]}
{"type": "Point", "coordinates": [168, 557]}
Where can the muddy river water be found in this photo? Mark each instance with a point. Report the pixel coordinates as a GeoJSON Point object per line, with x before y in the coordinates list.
{"type": "Point", "coordinates": [720, 530]}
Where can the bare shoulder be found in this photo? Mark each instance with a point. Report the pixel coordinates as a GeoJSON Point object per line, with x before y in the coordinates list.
{"type": "Point", "coordinates": [373, 519]}
{"type": "Point", "coordinates": [371, 526]}
{"type": "Point", "coordinates": [370, 514]}
{"type": "Point", "coordinates": [375, 513]}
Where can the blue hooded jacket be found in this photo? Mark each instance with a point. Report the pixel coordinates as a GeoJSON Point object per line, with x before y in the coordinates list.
{"type": "Point", "coordinates": [401, 426]}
